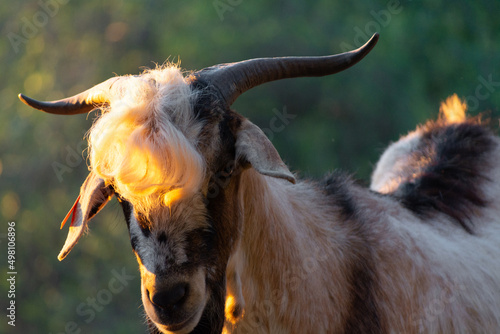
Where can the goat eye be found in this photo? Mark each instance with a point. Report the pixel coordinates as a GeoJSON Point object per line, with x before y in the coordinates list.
{"type": "Point", "coordinates": [228, 171]}
{"type": "Point", "coordinates": [144, 226]}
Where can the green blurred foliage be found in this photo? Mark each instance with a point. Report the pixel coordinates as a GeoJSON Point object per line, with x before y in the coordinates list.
{"type": "Point", "coordinates": [49, 49]}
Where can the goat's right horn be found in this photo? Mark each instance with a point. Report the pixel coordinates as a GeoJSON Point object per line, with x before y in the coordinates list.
{"type": "Point", "coordinates": [78, 104]}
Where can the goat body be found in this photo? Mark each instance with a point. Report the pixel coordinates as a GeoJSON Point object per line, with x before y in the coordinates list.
{"type": "Point", "coordinates": [334, 257]}
{"type": "Point", "coordinates": [227, 239]}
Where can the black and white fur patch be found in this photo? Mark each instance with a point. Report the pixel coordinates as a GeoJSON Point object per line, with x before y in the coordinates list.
{"type": "Point", "coordinates": [446, 169]}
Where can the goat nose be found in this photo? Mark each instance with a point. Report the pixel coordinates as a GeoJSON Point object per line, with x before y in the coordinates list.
{"type": "Point", "coordinates": [171, 297]}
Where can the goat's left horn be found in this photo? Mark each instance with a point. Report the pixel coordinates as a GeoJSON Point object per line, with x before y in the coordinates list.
{"type": "Point", "coordinates": [232, 80]}
{"type": "Point", "coordinates": [78, 104]}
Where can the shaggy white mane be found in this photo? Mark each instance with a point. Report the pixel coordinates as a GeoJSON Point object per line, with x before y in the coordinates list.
{"type": "Point", "coordinates": [144, 144]}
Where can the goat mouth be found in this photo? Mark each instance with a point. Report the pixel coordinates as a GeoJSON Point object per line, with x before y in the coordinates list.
{"type": "Point", "coordinates": [182, 327]}
{"type": "Point", "coordinates": [176, 321]}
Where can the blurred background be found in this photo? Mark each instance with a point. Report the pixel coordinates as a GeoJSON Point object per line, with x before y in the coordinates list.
{"type": "Point", "coordinates": [50, 49]}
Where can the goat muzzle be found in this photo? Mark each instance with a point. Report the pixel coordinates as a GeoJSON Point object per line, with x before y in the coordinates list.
{"type": "Point", "coordinates": [174, 304]}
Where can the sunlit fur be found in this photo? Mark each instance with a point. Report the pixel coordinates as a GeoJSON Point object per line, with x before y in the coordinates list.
{"type": "Point", "coordinates": [390, 169]}
{"type": "Point", "coordinates": [453, 110]}
{"type": "Point", "coordinates": [144, 144]}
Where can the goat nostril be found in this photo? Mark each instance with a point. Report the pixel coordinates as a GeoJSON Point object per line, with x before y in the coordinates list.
{"type": "Point", "coordinates": [171, 297]}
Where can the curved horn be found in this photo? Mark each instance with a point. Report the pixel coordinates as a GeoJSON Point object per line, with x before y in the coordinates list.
{"type": "Point", "coordinates": [232, 80]}
{"type": "Point", "coordinates": [77, 104]}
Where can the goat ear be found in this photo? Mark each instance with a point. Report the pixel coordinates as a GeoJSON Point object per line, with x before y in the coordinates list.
{"type": "Point", "coordinates": [252, 146]}
{"type": "Point", "coordinates": [94, 194]}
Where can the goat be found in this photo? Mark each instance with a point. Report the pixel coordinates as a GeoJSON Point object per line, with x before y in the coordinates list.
{"type": "Point", "coordinates": [228, 241]}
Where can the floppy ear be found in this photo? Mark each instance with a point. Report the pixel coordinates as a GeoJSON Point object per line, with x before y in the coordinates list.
{"type": "Point", "coordinates": [94, 194]}
{"type": "Point", "coordinates": [252, 146]}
